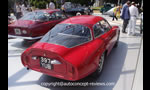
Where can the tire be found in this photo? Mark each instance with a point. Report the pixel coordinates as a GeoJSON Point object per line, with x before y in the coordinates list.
{"type": "Point", "coordinates": [26, 41]}
{"type": "Point", "coordinates": [116, 44]}
{"type": "Point", "coordinates": [78, 14]}
{"type": "Point", "coordinates": [99, 70]}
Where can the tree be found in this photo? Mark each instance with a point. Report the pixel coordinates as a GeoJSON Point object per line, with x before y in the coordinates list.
{"type": "Point", "coordinates": [41, 4]}
{"type": "Point", "coordinates": [82, 2]}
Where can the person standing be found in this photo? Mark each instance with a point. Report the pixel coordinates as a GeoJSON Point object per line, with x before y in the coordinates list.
{"type": "Point", "coordinates": [125, 15]}
{"type": "Point", "coordinates": [23, 9]}
{"type": "Point", "coordinates": [51, 5]}
{"type": "Point", "coordinates": [18, 11]}
{"type": "Point", "coordinates": [115, 13]}
{"type": "Point", "coordinates": [133, 16]}
{"type": "Point", "coordinates": [118, 11]}
{"type": "Point", "coordinates": [141, 23]}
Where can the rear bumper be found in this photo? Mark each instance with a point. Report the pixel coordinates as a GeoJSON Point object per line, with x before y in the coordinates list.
{"type": "Point", "coordinates": [22, 37]}
{"type": "Point", "coordinates": [65, 76]}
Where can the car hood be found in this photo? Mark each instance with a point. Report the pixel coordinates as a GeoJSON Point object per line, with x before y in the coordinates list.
{"type": "Point", "coordinates": [23, 23]}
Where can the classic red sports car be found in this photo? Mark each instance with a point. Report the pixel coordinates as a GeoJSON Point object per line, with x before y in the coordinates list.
{"type": "Point", "coordinates": [73, 49]}
{"type": "Point", "coordinates": [34, 25]}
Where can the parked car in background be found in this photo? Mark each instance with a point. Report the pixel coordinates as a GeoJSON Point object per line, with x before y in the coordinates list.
{"type": "Point", "coordinates": [73, 49]}
{"type": "Point", "coordinates": [72, 9]}
{"type": "Point", "coordinates": [105, 8]}
{"type": "Point", "coordinates": [109, 12]}
{"type": "Point", "coordinates": [33, 25]}
{"type": "Point", "coordinates": [81, 10]}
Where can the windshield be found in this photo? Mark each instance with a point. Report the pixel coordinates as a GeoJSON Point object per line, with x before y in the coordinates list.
{"type": "Point", "coordinates": [68, 35]}
{"type": "Point", "coordinates": [37, 15]}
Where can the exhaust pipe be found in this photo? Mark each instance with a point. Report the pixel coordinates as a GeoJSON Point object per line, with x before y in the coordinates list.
{"type": "Point", "coordinates": [28, 68]}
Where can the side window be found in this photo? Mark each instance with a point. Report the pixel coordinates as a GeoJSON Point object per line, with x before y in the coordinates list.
{"type": "Point", "coordinates": [41, 16]}
{"type": "Point", "coordinates": [60, 15]}
{"type": "Point", "coordinates": [52, 16]}
{"type": "Point", "coordinates": [105, 25]}
{"type": "Point", "coordinates": [98, 30]}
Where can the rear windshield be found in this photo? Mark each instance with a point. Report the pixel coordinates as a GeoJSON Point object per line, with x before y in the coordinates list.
{"type": "Point", "coordinates": [37, 15]}
{"type": "Point", "coordinates": [68, 35]}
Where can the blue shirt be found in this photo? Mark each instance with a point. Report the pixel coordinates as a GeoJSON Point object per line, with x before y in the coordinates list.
{"type": "Point", "coordinates": [125, 12]}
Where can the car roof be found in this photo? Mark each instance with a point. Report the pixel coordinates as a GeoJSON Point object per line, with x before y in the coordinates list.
{"type": "Point", "coordinates": [48, 10]}
{"type": "Point", "coordinates": [88, 20]}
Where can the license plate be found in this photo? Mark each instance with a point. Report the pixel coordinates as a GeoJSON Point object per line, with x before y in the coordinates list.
{"type": "Point", "coordinates": [45, 63]}
{"type": "Point", "coordinates": [17, 31]}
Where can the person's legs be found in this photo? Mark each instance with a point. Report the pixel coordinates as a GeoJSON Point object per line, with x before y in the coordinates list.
{"type": "Point", "coordinates": [141, 26]}
{"type": "Point", "coordinates": [116, 18]}
{"type": "Point", "coordinates": [17, 15]}
{"type": "Point", "coordinates": [130, 27]}
{"type": "Point", "coordinates": [133, 25]}
{"type": "Point", "coordinates": [125, 23]}
{"type": "Point", "coordinates": [113, 17]}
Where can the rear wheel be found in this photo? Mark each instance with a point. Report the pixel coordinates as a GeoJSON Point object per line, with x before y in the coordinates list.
{"type": "Point", "coordinates": [27, 42]}
{"type": "Point", "coordinates": [116, 44]}
{"type": "Point", "coordinates": [98, 71]}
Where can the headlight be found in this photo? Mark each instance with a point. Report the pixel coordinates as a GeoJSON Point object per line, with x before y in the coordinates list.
{"type": "Point", "coordinates": [24, 31]}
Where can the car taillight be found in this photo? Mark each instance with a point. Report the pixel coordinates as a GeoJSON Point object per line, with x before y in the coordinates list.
{"type": "Point", "coordinates": [25, 60]}
{"type": "Point", "coordinates": [24, 31]}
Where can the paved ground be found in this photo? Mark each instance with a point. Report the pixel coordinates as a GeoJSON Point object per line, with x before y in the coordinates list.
{"type": "Point", "coordinates": [119, 68]}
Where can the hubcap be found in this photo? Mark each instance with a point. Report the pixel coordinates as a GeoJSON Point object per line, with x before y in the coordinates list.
{"type": "Point", "coordinates": [101, 63]}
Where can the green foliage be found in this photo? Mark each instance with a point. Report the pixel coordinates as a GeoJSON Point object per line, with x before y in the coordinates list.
{"type": "Point", "coordinates": [41, 4]}
{"type": "Point", "coordinates": [82, 2]}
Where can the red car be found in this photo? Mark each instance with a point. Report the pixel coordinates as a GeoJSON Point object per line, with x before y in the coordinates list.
{"type": "Point", "coordinates": [34, 25]}
{"type": "Point", "coordinates": [73, 49]}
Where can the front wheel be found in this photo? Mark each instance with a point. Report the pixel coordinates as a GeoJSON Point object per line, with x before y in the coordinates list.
{"type": "Point", "coordinates": [116, 44]}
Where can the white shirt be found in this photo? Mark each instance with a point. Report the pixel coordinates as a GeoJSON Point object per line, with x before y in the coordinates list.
{"type": "Point", "coordinates": [18, 8]}
{"type": "Point", "coordinates": [51, 5]}
{"type": "Point", "coordinates": [23, 10]}
{"type": "Point", "coordinates": [133, 11]}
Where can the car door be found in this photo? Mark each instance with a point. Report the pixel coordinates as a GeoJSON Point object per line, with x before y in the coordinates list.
{"type": "Point", "coordinates": [46, 23]}
{"type": "Point", "coordinates": [51, 22]}
{"type": "Point", "coordinates": [110, 35]}
{"type": "Point", "coordinates": [99, 35]}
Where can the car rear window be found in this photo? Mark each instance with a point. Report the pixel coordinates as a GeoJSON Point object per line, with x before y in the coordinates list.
{"type": "Point", "coordinates": [37, 15]}
{"type": "Point", "coordinates": [68, 35]}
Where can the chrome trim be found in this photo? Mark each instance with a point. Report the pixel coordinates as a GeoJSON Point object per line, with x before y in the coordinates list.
{"type": "Point", "coordinates": [22, 37]}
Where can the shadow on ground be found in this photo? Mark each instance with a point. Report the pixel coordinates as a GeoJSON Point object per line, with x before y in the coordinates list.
{"type": "Point", "coordinates": [111, 73]}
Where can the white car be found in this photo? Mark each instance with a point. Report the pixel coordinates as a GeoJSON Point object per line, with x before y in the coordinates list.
{"type": "Point", "coordinates": [109, 12]}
